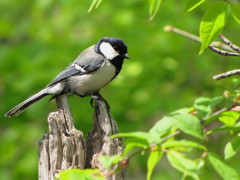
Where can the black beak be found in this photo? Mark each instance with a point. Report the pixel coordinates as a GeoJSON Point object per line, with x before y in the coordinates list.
{"type": "Point", "coordinates": [126, 56]}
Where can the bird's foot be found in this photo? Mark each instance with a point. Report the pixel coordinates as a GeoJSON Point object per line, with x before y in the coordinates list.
{"type": "Point", "coordinates": [98, 97]}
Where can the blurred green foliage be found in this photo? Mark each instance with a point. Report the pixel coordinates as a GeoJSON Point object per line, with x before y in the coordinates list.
{"type": "Point", "coordinates": [38, 39]}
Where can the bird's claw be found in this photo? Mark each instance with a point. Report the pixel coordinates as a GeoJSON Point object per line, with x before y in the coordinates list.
{"type": "Point", "coordinates": [98, 97]}
{"type": "Point", "coordinates": [92, 102]}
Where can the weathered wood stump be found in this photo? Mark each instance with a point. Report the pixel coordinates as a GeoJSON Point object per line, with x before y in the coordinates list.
{"type": "Point", "coordinates": [64, 147]}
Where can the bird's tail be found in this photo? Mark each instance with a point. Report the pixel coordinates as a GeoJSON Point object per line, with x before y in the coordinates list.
{"type": "Point", "coordinates": [25, 104]}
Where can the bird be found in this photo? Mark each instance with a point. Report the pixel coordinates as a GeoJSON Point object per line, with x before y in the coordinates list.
{"type": "Point", "coordinates": [93, 69]}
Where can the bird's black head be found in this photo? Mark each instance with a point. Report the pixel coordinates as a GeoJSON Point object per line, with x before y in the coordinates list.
{"type": "Point", "coordinates": [111, 47]}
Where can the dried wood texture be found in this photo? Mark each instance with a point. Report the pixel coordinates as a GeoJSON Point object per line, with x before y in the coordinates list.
{"type": "Point", "coordinates": [99, 142]}
{"type": "Point", "coordinates": [64, 147]}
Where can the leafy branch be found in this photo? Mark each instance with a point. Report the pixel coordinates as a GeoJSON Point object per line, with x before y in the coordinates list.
{"type": "Point", "coordinates": [161, 138]}
{"type": "Point", "coordinates": [227, 49]}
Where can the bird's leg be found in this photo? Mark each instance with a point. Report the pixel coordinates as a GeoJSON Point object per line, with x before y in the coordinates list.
{"type": "Point", "coordinates": [55, 96]}
{"type": "Point", "coordinates": [98, 96]}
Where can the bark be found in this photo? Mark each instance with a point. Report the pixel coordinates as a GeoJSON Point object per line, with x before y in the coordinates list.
{"type": "Point", "coordinates": [64, 147]}
{"type": "Point", "coordinates": [99, 142]}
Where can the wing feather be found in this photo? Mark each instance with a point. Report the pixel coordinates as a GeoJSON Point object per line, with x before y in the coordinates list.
{"type": "Point", "coordinates": [88, 60]}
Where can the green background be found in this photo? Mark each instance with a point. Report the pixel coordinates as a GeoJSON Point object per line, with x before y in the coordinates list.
{"type": "Point", "coordinates": [38, 39]}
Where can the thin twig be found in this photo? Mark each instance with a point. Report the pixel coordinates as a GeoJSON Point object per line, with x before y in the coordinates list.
{"type": "Point", "coordinates": [215, 114]}
{"type": "Point", "coordinates": [227, 74]}
{"type": "Point", "coordinates": [229, 43]}
{"type": "Point", "coordinates": [222, 52]}
{"type": "Point", "coordinates": [168, 137]}
{"type": "Point", "coordinates": [181, 32]}
{"type": "Point", "coordinates": [194, 37]}
{"type": "Point", "coordinates": [228, 46]}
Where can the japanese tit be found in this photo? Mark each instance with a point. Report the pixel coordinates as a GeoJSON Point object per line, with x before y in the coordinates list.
{"type": "Point", "coordinates": [93, 69]}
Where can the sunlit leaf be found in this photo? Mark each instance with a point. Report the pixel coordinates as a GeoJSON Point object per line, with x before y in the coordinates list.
{"type": "Point", "coordinates": [153, 159]}
{"type": "Point", "coordinates": [209, 119]}
{"type": "Point", "coordinates": [201, 104]}
{"type": "Point", "coordinates": [133, 146]}
{"type": "Point", "coordinates": [108, 161]}
{"type": "Point", "coordinates": [236, 127]}
{"type": "Point", "coordinates": [205, 105]}
{"type": "Point", "coordinates": [182, 111]}
{"type": "Point", "coordinates": [200, 163]}
{"type": "Point", "coordinates": [182, 143]}
{"type": "Point", "coordinates": [192, 4]}
{"type": "Point", "coordinates": [145, 137]}
{"type": "Point", "coordinates": [80, 174]}
{"type": "Point", "coordinates": [235, 8]}
{"type": "Point", "coordinates": [166, 123]}
{"type": "Point", "coordinates": [229, 118]}
{"type": "Point", "coordinates": [188, 124]}
{"type": "Point", "coordinates": [183, 164]}
{"type": "Point", "coordinates": [162, 126]}
{"type": "Point", "coordinates": [225, 171]}
{"type": "Point", "coordinates": [94, 5]}
{"type": "Point", "coordinates": [232, 147]}
{"type": "Point", "coordinates": [181, 119]}
{"type": "Point", "coordinates": [212, 24]}
{"type": "Point", "coordinates": [154, 7]}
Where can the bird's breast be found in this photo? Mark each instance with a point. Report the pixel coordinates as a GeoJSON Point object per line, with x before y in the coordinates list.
{"type": "Point", "coordinates": [88, 84]}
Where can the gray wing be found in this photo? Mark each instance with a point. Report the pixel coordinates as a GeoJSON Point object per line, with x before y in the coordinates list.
{"type": "Point", "coordinates": [87, 62]}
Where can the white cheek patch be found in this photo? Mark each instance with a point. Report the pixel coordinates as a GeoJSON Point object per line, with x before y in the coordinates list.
{"type": "Point", "coordinates": [78, 67]}
{"type": "Point", "coordinates": [108, 51]}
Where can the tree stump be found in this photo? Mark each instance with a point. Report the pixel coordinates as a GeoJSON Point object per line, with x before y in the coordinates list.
{"type": "Point", "coordinates": [64, 147]}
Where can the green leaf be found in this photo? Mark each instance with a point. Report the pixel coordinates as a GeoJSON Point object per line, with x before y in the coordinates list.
{"type": "Point", "coordinates": [232, 147]}
{"type": "Point", "coordinates": [138, 141]}
{"type": "Point", "coordinates": [80, 174]}
{"type": "Point", "coordinates": [154, 7]}
{"type": "Point", "coordinates": [146, 138]}
{"type": "Point", "coordinates": [162, 126]}
{"type": "Point", "coordinates": [153, 159]}
{"type": "Point", "coordinates": [108, 161]}
{"type": "Point", "coordinates": [188, 124]}
{"type": "Point", "coordinates": [94, 5]}
{"type": "Point", "coordinates": [182, 111]}
{"type": "Point", "coordinates": [225, 171]}
{"type": "Point", "coordinates": [183, 164]}
{"type": "Point", "coordinates": [212, 24]}
{"type": "Point", "coordinates": [236, 127]}
{"type": "Point", "coordinates": [215, 101]}
{"type": "Point", "coordinates": [235, 8]}
{"type": "Point", "coordinates": [192, 4]}
{"type": "Point", "coordinates": [229, 118]}
{"type": "Point", "coordinates": [181, 119]}
{"type": "Point", "coordinates": [138, 134]}
{"type": "Point", "coordinates": [200, 163]}
{"type": "Point", "coordinates": [205, 106]}
{"type": "Point", "coordinates": [202, 106]}
{"type": "Point", "coordinates": [182, 143]}
{"type": "Point", "coordinates": [133, 146]}
{"type": "Point", "coordinates": [209, 119]}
